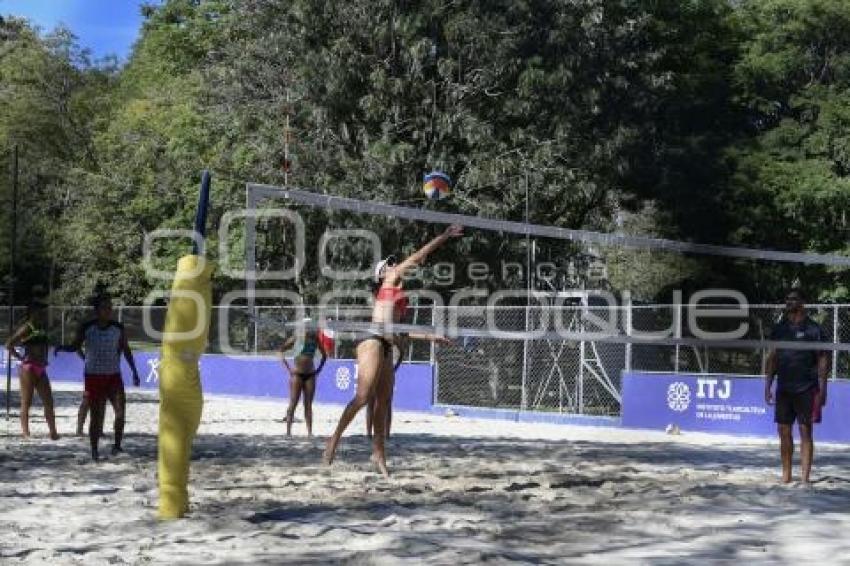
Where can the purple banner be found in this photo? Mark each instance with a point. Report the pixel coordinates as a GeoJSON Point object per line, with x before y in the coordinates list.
{"type": "Point", "coordinates": [717, 403]}
{"type": "Point", "coordinates": [259, 376]}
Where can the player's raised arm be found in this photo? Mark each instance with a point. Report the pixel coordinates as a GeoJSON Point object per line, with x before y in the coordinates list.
{"type": "Point", "coordinates": [393, 274]}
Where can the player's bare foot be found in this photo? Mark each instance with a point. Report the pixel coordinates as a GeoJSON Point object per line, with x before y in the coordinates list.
{"type": "Point", "coordinates": [328, 455]}
{"type": "Point", "coordinates": [380, 464]}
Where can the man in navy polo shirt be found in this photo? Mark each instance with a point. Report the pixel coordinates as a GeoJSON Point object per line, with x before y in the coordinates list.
{"type": "Point", "coordinates": [801, 382]}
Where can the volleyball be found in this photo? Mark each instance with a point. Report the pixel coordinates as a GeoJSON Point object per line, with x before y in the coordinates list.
{"type": "Point", "coordinates": [436, 185]}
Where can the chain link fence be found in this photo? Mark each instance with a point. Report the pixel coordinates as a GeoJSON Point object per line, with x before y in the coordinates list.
{"type": "Point", "coordinates": [534, 374]}
{"type": "Point", "coordinates": [584, 376]}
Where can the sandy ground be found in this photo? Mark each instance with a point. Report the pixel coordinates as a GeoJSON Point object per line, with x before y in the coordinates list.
{"type": "Point", "coordinates": [462, 491]}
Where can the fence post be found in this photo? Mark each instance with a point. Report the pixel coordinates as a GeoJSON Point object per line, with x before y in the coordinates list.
{"type": "Point", "coordinates": [416, 308]}
{"type": "Point", "coordinates": [435, 390]}
{"type": "Point", "coordinates": [62, 327]}
{"type": "Point", "coordinates": [336, 337]}
{"type": "Point", "coordinates": [678, 322]}
{"type": "Point", "coordinates": [629, 345]}
{"type": "Point", "coordinates": [580, 383]}
{"type": "Point", "coordinates": [835, 340]}
{"type": "Point", "coordinates": [433, 343]}
{"type": "Point", "coordinates": [524, 395]}
{"type": "Point", "coordinates": [256, 329]}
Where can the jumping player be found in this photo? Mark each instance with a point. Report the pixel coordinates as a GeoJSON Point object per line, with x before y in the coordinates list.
{"type": "Point", "coordinates": [374, 354]}
{"type": "Point", "coordinates": [398, 346]}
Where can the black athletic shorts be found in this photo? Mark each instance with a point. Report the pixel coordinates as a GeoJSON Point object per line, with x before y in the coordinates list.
{"type": "Point", "coordinates": [304, 376]}
{"type": "Point", "coordinates": [802, 407]}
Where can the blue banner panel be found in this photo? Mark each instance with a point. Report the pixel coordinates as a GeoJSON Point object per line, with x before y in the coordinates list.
{"type": "Point", "coordinates": [263, 376]}
{"type": "Point", "coordinates": [721, 404]}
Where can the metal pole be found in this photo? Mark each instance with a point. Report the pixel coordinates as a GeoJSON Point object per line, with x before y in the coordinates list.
{"type": "Point", "coordinates": [524, 398]}
{"type": "Point", "coordinates": [435, 389]}
{"type": "Point", "coordinates": [336, 337]}
{"type": "Point", "coordinates": [12, 246]}
{"type": "Point", "coordinates": [286, 144]}
{"type": "Point", "coordinates": [678, 323]}
{"type": "Point", "coordinates": [256, 330]}
{"type": "Point", "coordinates": [416, 308]}
{"type": "Point", "coordinates": [433, 353]}
{"type": "Point", "coordinates": [580, 383]}
{"type": "Point", "coordinates": [629, 315]}
{"type": "Point", "coordinates": [835, 340]}
{"type": "Point", "coordinates": [250, 255]}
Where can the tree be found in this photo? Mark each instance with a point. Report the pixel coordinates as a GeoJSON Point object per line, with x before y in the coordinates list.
{"type": "Point", "coordinates": [791, 186]}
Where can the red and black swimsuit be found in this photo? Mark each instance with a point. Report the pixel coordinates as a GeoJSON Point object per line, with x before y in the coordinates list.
{"type": "Point", "coordinates": [400, 303]}
{"type": "Point", "coordinates": [397, 297]}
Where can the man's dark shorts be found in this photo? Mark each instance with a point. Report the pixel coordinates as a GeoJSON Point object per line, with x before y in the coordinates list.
{"type": "Point", "coordinates": [803, 407]}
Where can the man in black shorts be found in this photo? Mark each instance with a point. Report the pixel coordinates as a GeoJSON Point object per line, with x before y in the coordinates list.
{"type": "Point", "coordinates": [801, 383]}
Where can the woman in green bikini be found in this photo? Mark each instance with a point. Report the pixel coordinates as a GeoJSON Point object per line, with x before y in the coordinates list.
{"type": "Point", "coordinates": [32, 337]}
{"type": "Point", "coordinates": [302, 373]}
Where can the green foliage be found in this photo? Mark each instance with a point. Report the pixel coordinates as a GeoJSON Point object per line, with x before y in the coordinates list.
{"type": "Point", "coordinates": [791, 188]}
{"type": "Point", "coordinates": [697, 119]}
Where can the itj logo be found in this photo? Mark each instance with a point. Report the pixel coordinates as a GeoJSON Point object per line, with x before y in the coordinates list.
{"type": "Point", "coordinates": [679, 396]}
{"type": "Point", "coordinates": [343, 378]}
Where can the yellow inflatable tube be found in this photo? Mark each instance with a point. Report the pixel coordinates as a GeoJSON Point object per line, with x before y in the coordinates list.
{"type": "Point", "coordinates": [187, 324]}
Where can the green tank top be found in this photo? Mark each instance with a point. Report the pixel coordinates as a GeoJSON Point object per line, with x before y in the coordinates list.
{"type": "Point", "coordinates": [306, 348]}
{"type": "Point", "coordinates": [36, 336]}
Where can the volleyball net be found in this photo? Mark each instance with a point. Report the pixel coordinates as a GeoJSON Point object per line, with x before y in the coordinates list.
{"type": "Point", "coordinates": [523, 336]}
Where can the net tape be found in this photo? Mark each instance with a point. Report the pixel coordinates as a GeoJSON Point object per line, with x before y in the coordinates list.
{"type": "Point", "coordinates": [259, 192]}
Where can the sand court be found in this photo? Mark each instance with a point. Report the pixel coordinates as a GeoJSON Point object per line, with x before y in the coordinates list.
{"type": "Point", "coordinates": [461, 491]}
